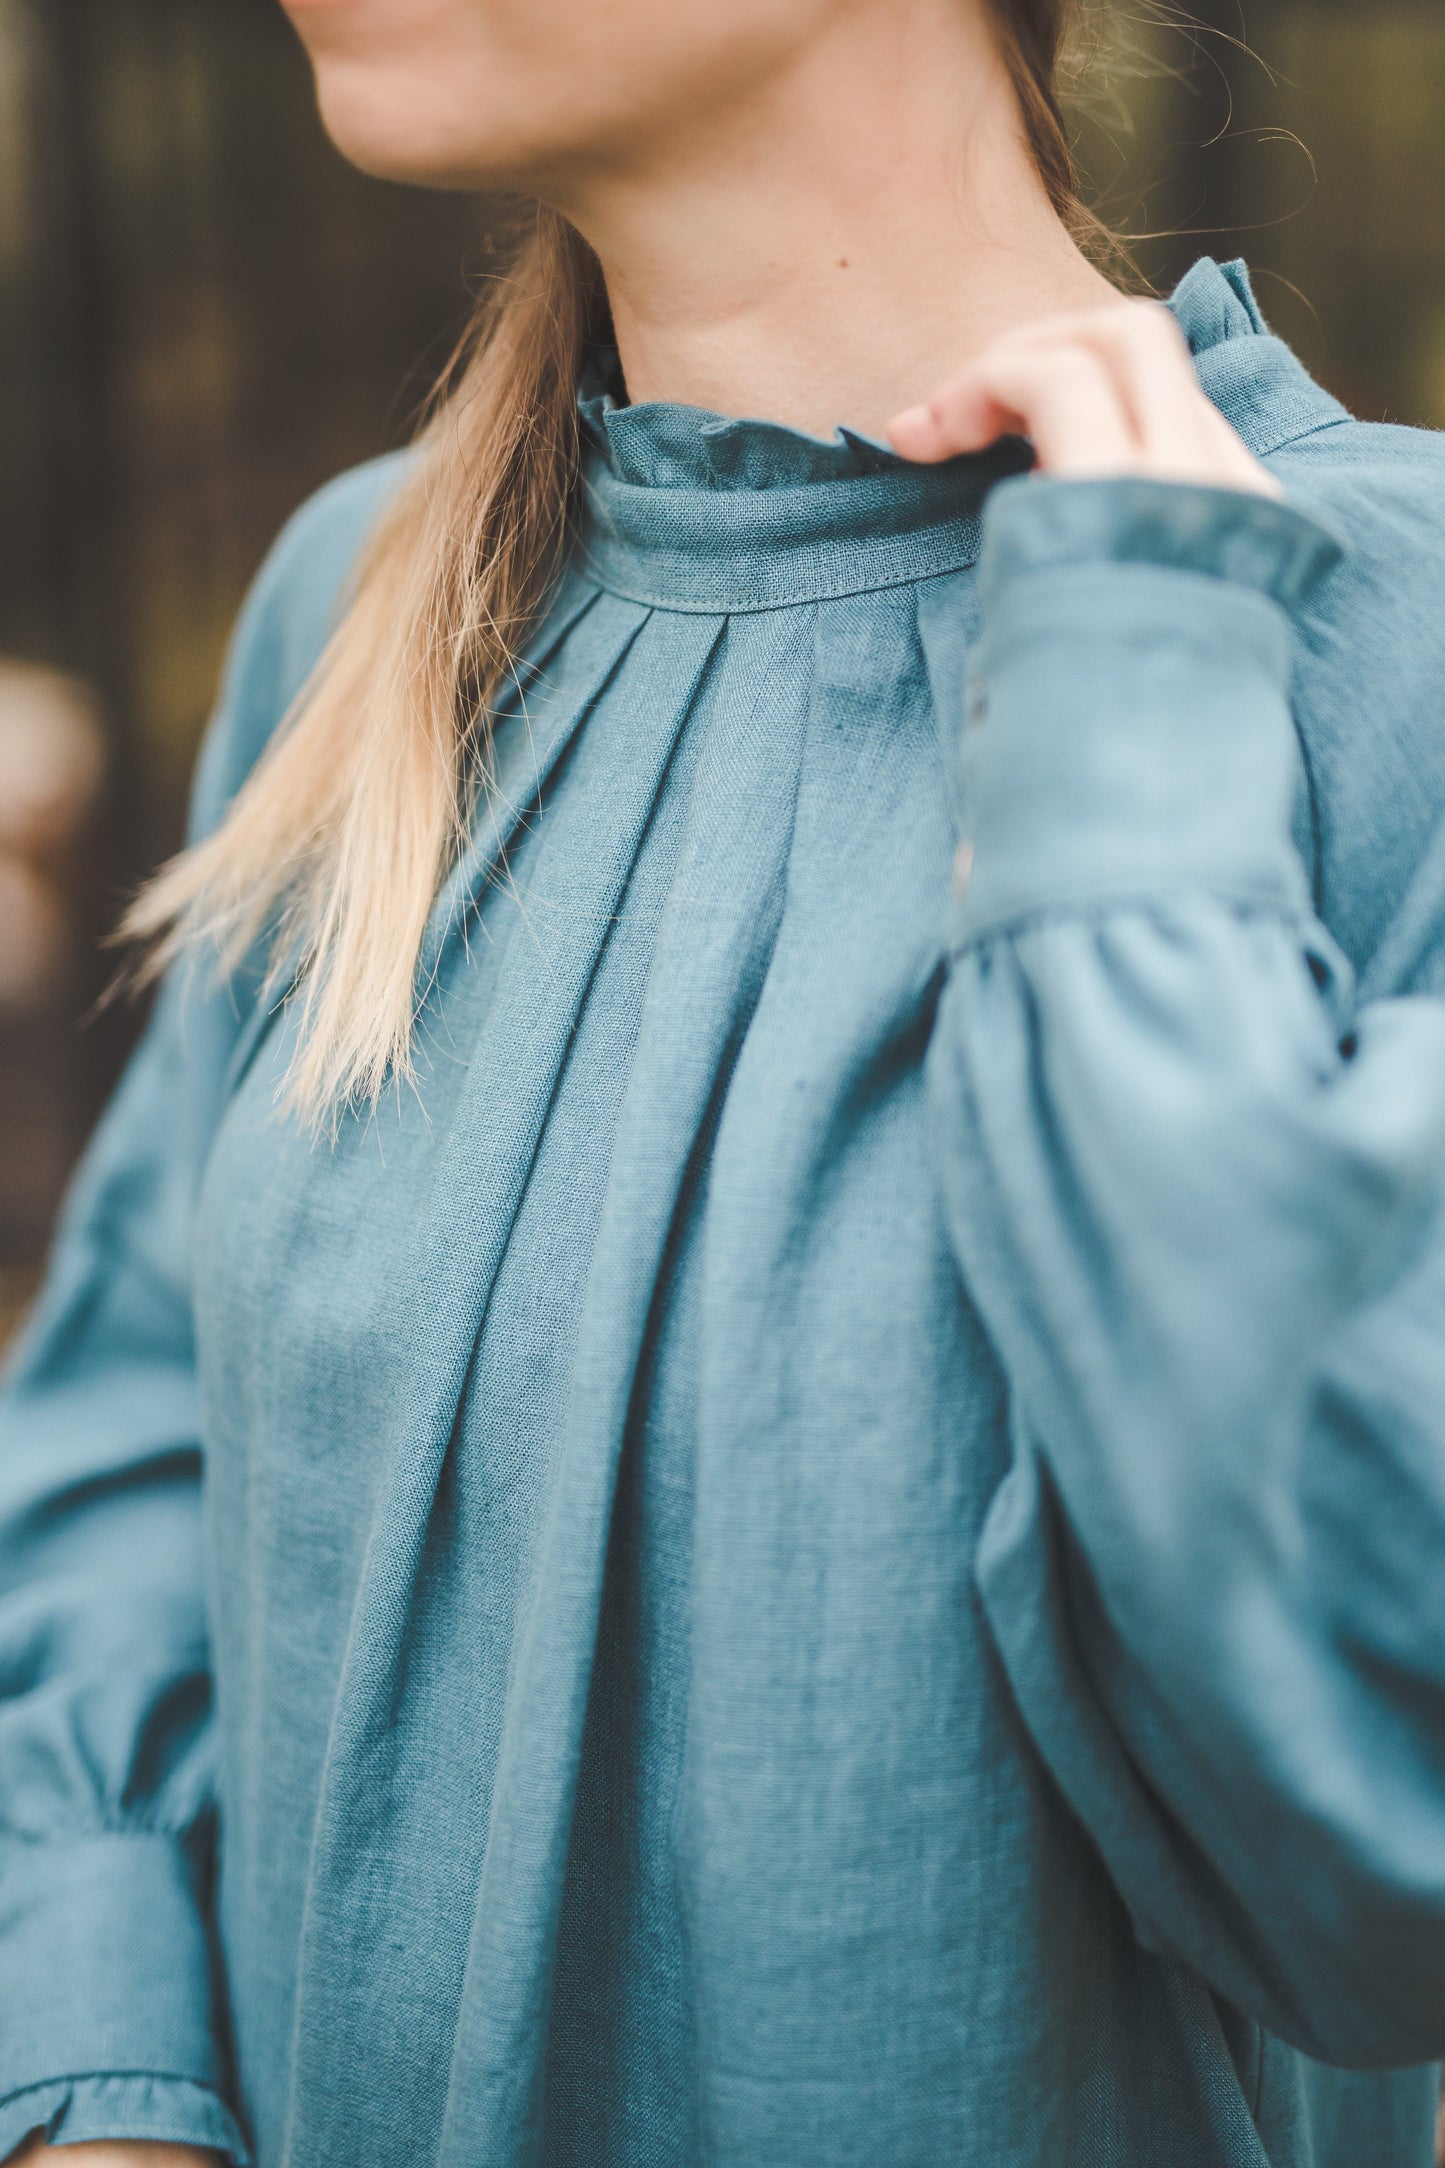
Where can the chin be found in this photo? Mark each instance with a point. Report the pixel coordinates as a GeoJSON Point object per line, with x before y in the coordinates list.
{"type": "Point", "coordinates": [381, 136]}
{"type": "Point", "coordinates": [380, 127]}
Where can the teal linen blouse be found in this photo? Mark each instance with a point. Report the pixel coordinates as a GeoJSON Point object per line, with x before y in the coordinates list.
{"type": "Point", "coordinates": [825, 1550]}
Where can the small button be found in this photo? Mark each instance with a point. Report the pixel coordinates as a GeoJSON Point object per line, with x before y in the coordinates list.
{"type": "Point", "coordinates": [962, 870]}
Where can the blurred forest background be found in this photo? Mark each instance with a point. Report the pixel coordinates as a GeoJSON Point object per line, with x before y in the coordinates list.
{"type": "Point", "coordinates": [204, 313]}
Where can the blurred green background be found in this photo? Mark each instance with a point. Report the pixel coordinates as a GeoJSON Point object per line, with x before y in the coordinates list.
{"type": "Point", "coordinates": [203, 313]}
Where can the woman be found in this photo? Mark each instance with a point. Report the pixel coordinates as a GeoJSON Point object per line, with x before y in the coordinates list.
{"type": "Point", "coordinates": [820, 1494]}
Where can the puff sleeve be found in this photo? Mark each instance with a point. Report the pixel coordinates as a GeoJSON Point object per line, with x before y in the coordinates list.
{"type": "Point", "coordinates": [1197, 1191]}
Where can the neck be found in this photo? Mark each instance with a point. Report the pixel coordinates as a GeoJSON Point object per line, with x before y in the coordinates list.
{"type": "Point", "coordinates": [830, 246]}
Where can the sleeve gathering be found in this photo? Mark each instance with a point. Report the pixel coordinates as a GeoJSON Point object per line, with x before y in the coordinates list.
{"type": "Point", "coordinates": [123, 2109]}
{"type": "Point", "coordinates": [1197, 1193]}
{"type": "Point", "coordinates": [109, 2018]}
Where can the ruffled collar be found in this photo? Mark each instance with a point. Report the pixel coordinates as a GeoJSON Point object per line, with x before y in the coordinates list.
{"type": "Point", "coordinates": [656, 445]}
{"type": "Point", "coordinates": [693, 510]}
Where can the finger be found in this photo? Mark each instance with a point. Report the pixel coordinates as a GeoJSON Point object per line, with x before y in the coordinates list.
{"type": "Point", "coordinates": [1185, 436]}
{"type": "Point", "coordinates": [1179, 434]}
{"type": "Point", "coordinates": [1148, 357]}
{"type": "Point", "coordinates": [1146, 353]}
{"type": "Point", "coordinates": [1236, 466]}
{"type": "Point", "coordinates": [1061, 396]}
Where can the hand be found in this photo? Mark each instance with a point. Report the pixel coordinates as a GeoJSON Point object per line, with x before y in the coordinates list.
{"type": "Point", "coordinates": [140, 2154]}
{"type": "Point", "coordinates": [1109, 393]}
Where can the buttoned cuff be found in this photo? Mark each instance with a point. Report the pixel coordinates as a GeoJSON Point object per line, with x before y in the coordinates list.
{"type": "Point", "coordinates": [105, 1963]}
{"type": "Point", "coordinates": [1128, 726]}
{"type": "Point", "coordinates": [112, 2109]}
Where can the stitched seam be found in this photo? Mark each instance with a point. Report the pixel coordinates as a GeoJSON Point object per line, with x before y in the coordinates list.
{"type": "Point", "coordinates": [83, 2077]}
{"type": "Point", "coordinates": [1248, 902]}
{"type": "Point", "coordinates": [724, 606]}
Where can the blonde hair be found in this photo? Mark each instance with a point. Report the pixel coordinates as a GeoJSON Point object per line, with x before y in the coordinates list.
{"type": "Point", "coordinates": [335, 847]}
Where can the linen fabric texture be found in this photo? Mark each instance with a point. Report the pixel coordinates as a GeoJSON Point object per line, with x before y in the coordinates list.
{"type": "Point", "coordinates": [825, 1550]}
